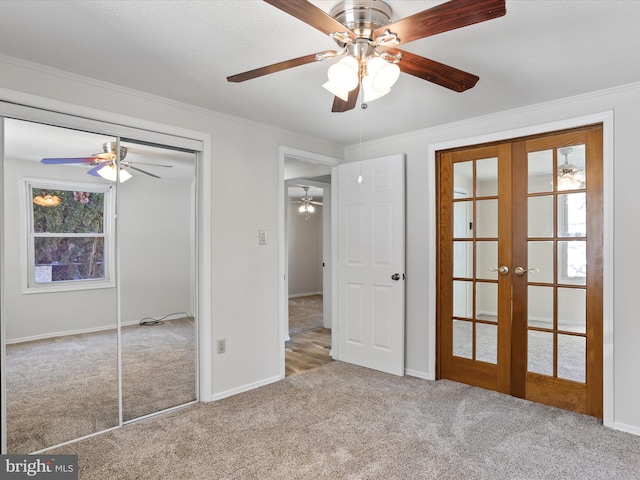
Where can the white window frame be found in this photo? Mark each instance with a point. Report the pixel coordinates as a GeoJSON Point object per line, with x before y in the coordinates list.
{"type": "Point", "coordinates": [29, 285]}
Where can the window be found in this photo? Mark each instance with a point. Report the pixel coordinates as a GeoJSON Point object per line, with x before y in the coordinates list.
{"type": "Point", "coordinates": [69, 244]}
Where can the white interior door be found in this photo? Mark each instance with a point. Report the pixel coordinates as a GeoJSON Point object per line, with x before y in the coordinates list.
{"type": "Point", "coordinates": [371, 255]}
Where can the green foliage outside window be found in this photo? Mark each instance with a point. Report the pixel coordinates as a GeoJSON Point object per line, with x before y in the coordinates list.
{"type": "Point", "coordinates": [76, 257]}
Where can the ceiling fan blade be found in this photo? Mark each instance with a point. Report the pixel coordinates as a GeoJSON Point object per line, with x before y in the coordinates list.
{"type": "Point", "coordinates": [435, 72]}
{"type": "Point", "coordinates": [276, 67]}
{"type": "Point", "coordinates": [340, 105]}
{"type": "Point", "coordinates": [143, 171]}
{"type": "Point", "coordinates": [311, 15]}
{"type": "Point", "coordinates": [94, 170]}
{"type": "Point", "coordinates": [444, 17]}
{"type": "Point", "coordinates": [57, 161]}
{"type": "Point", "coordinates": [127, 163]}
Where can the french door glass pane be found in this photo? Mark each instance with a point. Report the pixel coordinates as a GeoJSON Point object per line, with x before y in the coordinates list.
{"type": "Point", "coordinates": [571, 168]}
{"type": "Point", "coordinates": [572, 356]}
{"type": "Point", "coordinates": [540, 352]}
{"type": "Point", "coordinates": [487, 301]}
{"type": "Point", "coordinates": [540, 216]}
{"type": "Point", "coordinates": [572, 310]}
{"type": "Point", "coordinates": [463, 259]}
{"type": "Point", "coordinates": [463, 179]}
{"type": "Point", "coordinates": [462, 339]}
{"type": "Point", "coordinates": [463, 219]}
{"type": "Point", "coordinates": [486, 218]}
{"type": "Point", "coordinates": [487, 177]}
{"type": "Point", "coordinates": [462, 295]}
{"type": "Point", "coordinates": [572, 215]}
{"type": "Point", "coordinates": [572, 262]}
{"type": "Point", "coordinates": [540, 306]}
{"type": "Point", "coordinates": [540, 171]}
{"type": "Point", "coordinates": [487, 343]}
{"type": "Point", "coordinates": [486, 258]}
{"type": "Point", "coordinates": [540, 257]}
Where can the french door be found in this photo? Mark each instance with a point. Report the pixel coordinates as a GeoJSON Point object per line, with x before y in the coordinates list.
{"type": "Point", "coordinates": [519, 312]}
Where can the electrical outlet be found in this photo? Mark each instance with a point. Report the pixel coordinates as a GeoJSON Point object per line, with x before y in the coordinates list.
{"type": "Point", "coordinates": [222, 345]}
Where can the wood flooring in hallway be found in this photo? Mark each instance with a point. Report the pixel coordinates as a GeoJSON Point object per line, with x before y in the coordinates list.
{"type": "Point", "coordinates": [307, 350]}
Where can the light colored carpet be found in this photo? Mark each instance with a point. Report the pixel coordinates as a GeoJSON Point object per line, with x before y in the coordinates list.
{"type": "Point", "coordinates": [305, 313]}
{"type": "Point", "coordinates": [345, 422]}
{"type": "Point", "coordinates": [66, 387]}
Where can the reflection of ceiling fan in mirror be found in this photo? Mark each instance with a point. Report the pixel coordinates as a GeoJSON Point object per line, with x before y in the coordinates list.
{"type": "Point", "coordinates": [104, 164]}
{"type": "Point", "coordinates": [367, 39]}
{"type": "Point", "coordinates": [307, 203]}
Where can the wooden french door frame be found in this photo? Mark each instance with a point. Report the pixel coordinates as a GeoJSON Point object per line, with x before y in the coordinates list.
{"type": "Point", "coordinates": [515, 379]}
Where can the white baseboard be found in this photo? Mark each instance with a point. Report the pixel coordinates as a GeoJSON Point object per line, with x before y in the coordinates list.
{"type": "Point", "coordinates": [626, 428]}
{"type": "Point", "coordinates": [243, 388]}
{"type": "Point", "coordinates": [81, 330]}
{"type": "Point", "coordinates": [417, 374]}
{"type": "Point", "coordinates": [296, 295]}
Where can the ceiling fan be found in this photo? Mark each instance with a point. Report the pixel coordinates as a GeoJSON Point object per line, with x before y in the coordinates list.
{"type": "Point", "coordinates": [368, 40]}
{"type": "Point", "coordinates": [306, 203]}
{"type": "Point", "coordinates": [104, 163]}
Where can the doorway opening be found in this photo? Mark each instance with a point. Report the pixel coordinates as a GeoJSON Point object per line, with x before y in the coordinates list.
{"type": "Point", "coordinates": [307, 261]}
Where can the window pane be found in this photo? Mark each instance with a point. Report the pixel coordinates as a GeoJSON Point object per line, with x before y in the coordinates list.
{"type": "Point", "coordinates": [66, 211]}
{"type": "Point", "coordinates": [463, 259]}
{"type": "Point", "coordinates": [59, 259]}
{"type": "Point", "coordinates": [462, 295]}
{"type": "Point", "coordinates": [463, 219]}
{"type": "Point", "coordinates": [571, 168]}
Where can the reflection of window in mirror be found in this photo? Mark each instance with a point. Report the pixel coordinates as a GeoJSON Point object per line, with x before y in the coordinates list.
{"type": "Point", "coordinates": [572, 222]}
{"type": "Point", "coordinates": [67, 235]}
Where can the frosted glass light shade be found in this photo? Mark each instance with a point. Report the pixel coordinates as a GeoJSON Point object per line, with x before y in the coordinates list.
{"type": "Point", "coordinates": [383, 74]}
{"type": "Point", "coordinates": [344, 74]}
{"type": "Point", "coordinates": [369, 93]}
{"type": "Point", "coordinates": [108, 172]}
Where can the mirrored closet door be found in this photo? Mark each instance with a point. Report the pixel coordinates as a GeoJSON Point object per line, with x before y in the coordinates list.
{"type": "Point", "coordinates": [156, 273]}
{"type": "Point", "coordinates": [98, 292]}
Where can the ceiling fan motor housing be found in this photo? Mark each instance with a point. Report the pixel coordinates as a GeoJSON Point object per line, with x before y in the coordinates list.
{"type": "Point", "coordinates": [362, 16]}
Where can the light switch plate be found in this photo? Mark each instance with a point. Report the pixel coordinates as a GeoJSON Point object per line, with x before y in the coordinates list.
{"type": "Point", "coordinates": [262, 237]}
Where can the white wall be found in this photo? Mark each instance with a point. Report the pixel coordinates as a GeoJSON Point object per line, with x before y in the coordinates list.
{"type": "Point", "coordinates": [304, 245]}
{"type": "Point", "coordinates": [245, 281]}
{"type": "Point", "coordinates": [625, 102]}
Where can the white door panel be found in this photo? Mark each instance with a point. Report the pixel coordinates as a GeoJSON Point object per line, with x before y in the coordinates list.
{"type": "Point", "coordinates": [370, 324]}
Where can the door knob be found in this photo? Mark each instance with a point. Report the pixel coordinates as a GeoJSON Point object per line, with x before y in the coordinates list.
{"type": "Point", "coordinates": [521, 270]}
{"type": "Point", "coordinates": [395, 276]}
{"type": "Point", "coordinates": [502, 270]}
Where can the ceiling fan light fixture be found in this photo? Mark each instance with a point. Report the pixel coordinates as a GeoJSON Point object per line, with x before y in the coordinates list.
{"type": "Point", "coordinates": [344, 74]}
{"type": "Point", "coordinates": [108, 172]}
{"type": "Point", "coordinates": [383, 74]}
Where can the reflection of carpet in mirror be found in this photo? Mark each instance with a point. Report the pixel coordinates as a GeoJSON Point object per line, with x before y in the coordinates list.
{"type": "Point", "coordinates": [62, 388]}
{"type": "Point", "coordinates": [305, 313]}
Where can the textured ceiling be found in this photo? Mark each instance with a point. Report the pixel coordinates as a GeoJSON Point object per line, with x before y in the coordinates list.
{"type": "Point", "coordinates": [184, 50]}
